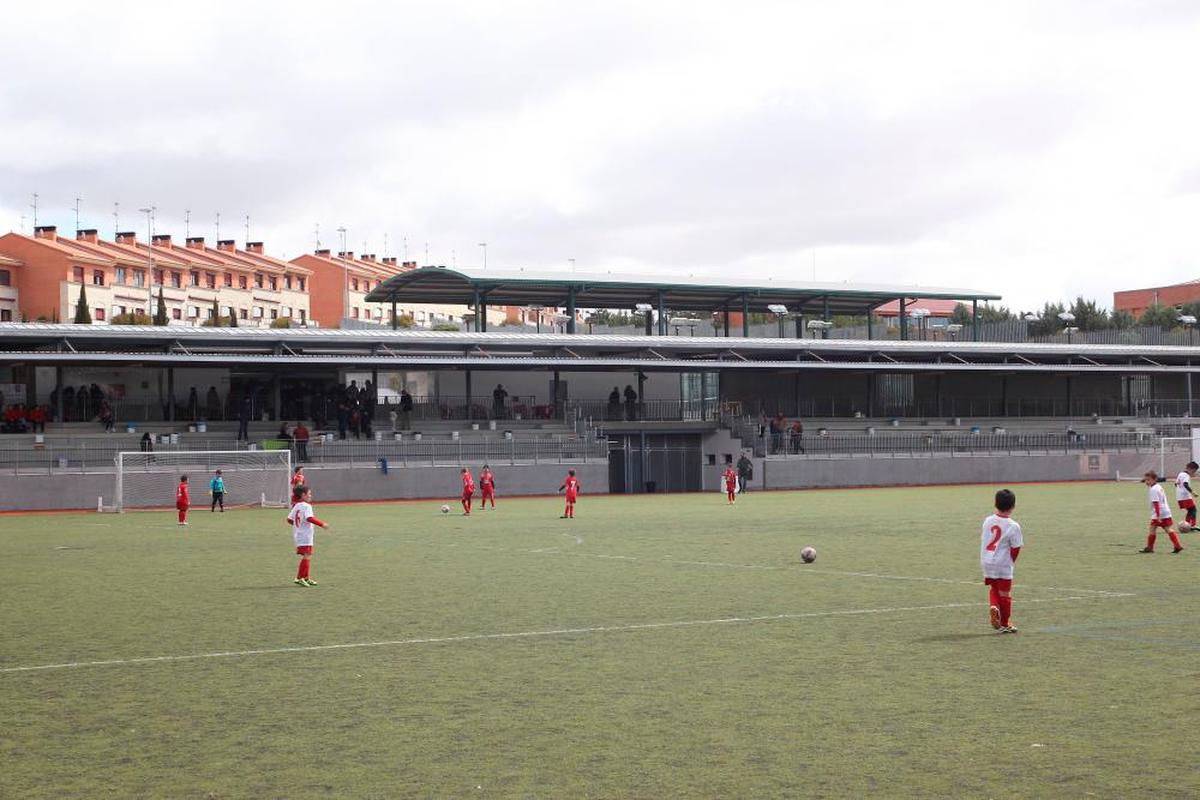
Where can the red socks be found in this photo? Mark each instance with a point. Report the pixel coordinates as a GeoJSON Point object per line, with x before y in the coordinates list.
{"type": "Point", "coordinates": [302, 571]}
{"type": "Point", "coordinates": [182, 515]}
{"type": "Point", "coordinates": [993, 596]}
{"type": "Point", "coordinates": [1005, 604]}
{"type": "Point", "coordinates": [1174, 539]}
{"type": "Point", "coordinates": [1150, 540]}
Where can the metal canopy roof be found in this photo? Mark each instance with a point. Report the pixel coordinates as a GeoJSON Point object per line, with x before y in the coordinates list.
{"type": "Point", "coordinates": [26, 343]}
{"type": "Point", "coordinates": [614, 290]}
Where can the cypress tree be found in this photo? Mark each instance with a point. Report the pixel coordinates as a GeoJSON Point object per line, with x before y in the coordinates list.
{"type": "Point", "coordinates": [160, 316]}
{"type": "Point", "coordinates": [82, 315]}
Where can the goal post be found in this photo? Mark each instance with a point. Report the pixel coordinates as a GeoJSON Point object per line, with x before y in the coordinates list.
{"type": "Point", "coordinates": [1169, 456]}
{"type": "Point", "coordinates": [252, 477]}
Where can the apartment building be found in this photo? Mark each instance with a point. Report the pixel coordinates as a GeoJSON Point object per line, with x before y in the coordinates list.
{"type": "Point", "coordinates": [10, 302]}
{"type": "Point", "coordinates": [357, 277]}
{"type": "Point", "coordinates": [127, 275]}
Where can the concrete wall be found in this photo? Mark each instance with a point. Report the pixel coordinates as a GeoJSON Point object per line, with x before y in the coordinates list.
{"type": "Point", "coordinates": [878, 471]}
{"type": "Point", "coordinates": [67, 491]}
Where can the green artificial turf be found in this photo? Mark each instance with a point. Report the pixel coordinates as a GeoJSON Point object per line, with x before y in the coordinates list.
{"type": "Point", "coordinates": [872, 672]}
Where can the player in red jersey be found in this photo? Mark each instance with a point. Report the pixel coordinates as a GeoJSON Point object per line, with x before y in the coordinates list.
{"type": "Point", "coordinates": [487, 487]}
{"type": "Point", "coordinates": [182, 502]}
{"type": "Point", "coordinates": [731, 481]}
{"type": "Point", "coordinates": [298, 478]}
{"type": "Point", "coordinates": [1185, 496]}
{"type": "Point", "coordinates": [998, 550]}
{"type": "Point", "coordinates": [571, 487]}
{"type": "Point", "coordinates": [1160, 515]}
{"type": "Point", "coordinates": [302, 520]}
{"type": "Point", "coordinates": [468, 491]}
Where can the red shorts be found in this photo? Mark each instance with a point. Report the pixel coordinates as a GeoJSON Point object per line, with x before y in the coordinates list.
{"type": "Point", "coordinates": [570, 497]}
{"type": "Point", "coordinates": [1003, 584]}
{"type": "Point", "coordinates": [467, 495]}
{"type": "Point", "coordinates": [304, 549]}
{"type": "Point", "coordinates": [489, 493]}
{"type": "Point", "coordinates": [1164, 523]}
{"type": "Point", "coordinates": [1189, 503]}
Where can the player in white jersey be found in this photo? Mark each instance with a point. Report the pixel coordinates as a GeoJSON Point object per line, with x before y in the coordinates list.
{"type": "Point", "coordinates": [1185, 496]}
{"type": "Point", "coordinates": [1160, 515]}
{"type": "Point", "coordinates": [302, 520]}
{"type": "Point", "coordinates": [999, 545]}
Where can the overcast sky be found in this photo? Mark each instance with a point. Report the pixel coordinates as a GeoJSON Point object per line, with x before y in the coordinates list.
{"type": "Point", "coordinates": [1036, 149]}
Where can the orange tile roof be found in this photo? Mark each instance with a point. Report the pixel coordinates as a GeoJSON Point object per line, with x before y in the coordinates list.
{"type": "Point", "coordinates": [936, 308]}
{"type": "Point", "coordinates": [63, 246]}
{"type": "Point", "coordinates": [10, 262]}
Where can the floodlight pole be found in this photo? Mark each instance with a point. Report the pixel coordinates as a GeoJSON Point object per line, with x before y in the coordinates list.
{"type": "Point", "coordinates": [745, 317]}
{"type": "Point", "coordinates": [571, 308]}
{"type": "Point", "coordinates": [662, 315]}
{"type": "Point", "coordinates": [975, 320]}
{"type": "Point", "coordinates": [903, 319]}
{"type": "Point", "coordinates": [825, 331]}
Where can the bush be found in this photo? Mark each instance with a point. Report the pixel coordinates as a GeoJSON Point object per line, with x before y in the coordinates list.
{"type": "Point", "coordinates": [132, 318]}
{"type": "Point", "coordinates": [281, 322]}
{"type": "Point", "coordinates": [405, 321]}
{"type": "Point", "coordinates": [446, 326]}
{"type": "Point", "coordinates": [217, 322]}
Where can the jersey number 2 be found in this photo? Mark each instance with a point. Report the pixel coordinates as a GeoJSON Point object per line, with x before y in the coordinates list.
{"type": "Point", "coordinates": [996, 533]}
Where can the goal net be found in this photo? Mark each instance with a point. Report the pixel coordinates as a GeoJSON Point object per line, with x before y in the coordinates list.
{"type": "Point", "coordinates": [252, 477]}
{"type": "Point", "coordinates": [1168, 457]}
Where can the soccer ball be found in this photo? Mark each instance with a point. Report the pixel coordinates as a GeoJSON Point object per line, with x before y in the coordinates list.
{"type": "Point", "coordinates": [445, 509]}
{"type": "Point", "coordinates": [808, 555]}
{"type": "Point", "coordinates": [1185, 528]}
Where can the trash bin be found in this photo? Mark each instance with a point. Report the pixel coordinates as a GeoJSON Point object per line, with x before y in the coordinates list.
{"type": "Point", "coordinates": [651, 487]}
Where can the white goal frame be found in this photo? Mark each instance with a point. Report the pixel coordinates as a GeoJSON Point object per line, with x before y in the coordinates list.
{"type": "Point", "coordinates": [1175, 446]}
{"type": "Point", "coordinates": [201, 463]}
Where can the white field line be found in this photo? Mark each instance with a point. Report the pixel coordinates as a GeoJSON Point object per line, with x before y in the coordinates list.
{"type": "Point", "coordinates": [1098, 592]}
{"type": "Point", "coordinates": [536, 634]}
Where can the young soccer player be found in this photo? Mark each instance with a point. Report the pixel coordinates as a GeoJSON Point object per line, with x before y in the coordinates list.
{"type": "Point", "coordinates": [468, 491]}
{"type": "Point", "coordinates": [298, 477]}
{"type": "Point", "coordinates": [487, 487]}
{"type": "Point", "coordinates": [182, 502]}
{"type": "Point", "coordinates": [216, 487]}
{"type": "Point", "coordinates": [1160, 515]}
{"type": "Point", "coordinates": [1000, 544]}
{"type": "Point", "coordinates": [302, 520]}
{"type": "Point", "coordinates": [731, 481]}
{"type": "Point", "coordinates": [1184, 494]}
{"type": "Point", "coordinates": [571, 487]}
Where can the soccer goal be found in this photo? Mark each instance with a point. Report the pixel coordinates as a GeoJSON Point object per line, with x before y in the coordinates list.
{"type": "Point", "coordinates": [252, 477]}
{"type": "Point", "coordinates": [1169, 457]}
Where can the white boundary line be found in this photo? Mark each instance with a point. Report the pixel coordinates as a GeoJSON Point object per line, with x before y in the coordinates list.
{"type": "Point", "coordinates": [536, 634]}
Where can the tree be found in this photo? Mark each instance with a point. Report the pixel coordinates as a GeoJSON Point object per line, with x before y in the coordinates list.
{"type": "Point", "coordinates": [987, 313]}
{"type": "Point", "coordinates": [233, 314]}
{"type": "Point", "coordinates": [1165, 317]}
{"type": "Point", "coordinates": [132, 318]}
{"type": "Point", "coordinates": [286, 322]}
{"type": "Point", "coordinates": [82, 315]}
{"type": "Point", "coordinates": [1122, 320]}
{"type": "Point", "coordinates": [406, 321]}
{"type": "Point", "coordinates": [160, 315]}
{"type": "Point", "coordinates": [1089, 316]}
{"type": "Point", "coordinates": [216, 314]}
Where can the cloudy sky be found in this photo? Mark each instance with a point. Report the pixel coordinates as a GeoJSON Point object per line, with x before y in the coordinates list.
{"type": "Point", "coordinates": [1037, 149]}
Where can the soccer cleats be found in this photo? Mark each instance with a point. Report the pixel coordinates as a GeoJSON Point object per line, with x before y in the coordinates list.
{"type": "Point", "coordinates": [994, 613]}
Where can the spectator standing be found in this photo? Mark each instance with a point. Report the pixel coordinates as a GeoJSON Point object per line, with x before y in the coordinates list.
{"type": "Point", "coordinates": [245, 408]}
{"type": "Point", "coordinates": [193, 404]}
{"type": "Point", "coordinates": [631, 398]}
{"type": "Point", "coordinates": [37, 419]}
{"type": "Point", "coordinates": [106, 416]}
{"type": "Point", "coordinates": [797, 436]}
{"type": "Point", "coordinates": [499, 394]}
{"type": "Point", "coordinates": [406, 408]}
{"type": "Point", "coordinates": [300, 434]}
{"type": "Point", "coordinates": [212, 401]}
{"type": "Point", "coordinates": [284, 435]}
{"type": "Point", "coordinates": [147, 443]}
{"type": "Point", "coordinates": [745, 471]}
{"type": "Point", "coordinates": [614, 404]}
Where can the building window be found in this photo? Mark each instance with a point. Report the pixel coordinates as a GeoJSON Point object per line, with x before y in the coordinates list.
{"type": "Point", "coordinates": [274, 283]}
{"type": "Point", "coordinates": [194, 278]}
{"type": "Point", "coordinates": [208, 313]}
{"type": "Point", "coordinates": [303, 315]}
{"type": "Point", "coordinates": [193, 312]}
{"type": "Point", "coordinates": [159, 276]}
{"type": "Point", "coordinates": [258, 279]}
{"type": "Point", "coordinates": [139, 277]}
{"type": "Point", "coordinates": [228, 279]}
{"type": "Point", "coordinates": [97, 277]}
{"type": "Point", "coordinates": [242, 282]}
{"type": "Point", "coordinates": [120, 276]}
{"type": "Point", "coordinates": [77, 274]}
{"type": "Point", "coordinates": [99, 315]}
{"type": "Point", "coordinates": [210, 280]}
{"type": "Point", "coordinates": [243, 314]}
{"type": "Point", "coordinates": [274, 314]}
{"type": "Point", "coordinates": [5, 315]}
{"type": "Point", "coordinates": [258, 312]}
{"type": "Point", "coordinates": [176, 313]}
{"type": "Point", "coordinates": [300, 282]}
{"type": "Point", "coordinates": [230, 311]}
{"type": "Point", "coordinates": [354, 313]}
{"type": "Point", "coordinates": [355, 284]}
{"type": "Point", "coordinates": [5, 278]}
{"type": "Point", "coordinates": [287, 281]}
{"type": "Point", "coordinates": [176, 279]}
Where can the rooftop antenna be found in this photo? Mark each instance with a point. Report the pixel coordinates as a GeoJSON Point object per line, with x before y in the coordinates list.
{"type": "Point", "coordinates": [427, 252]}
{"type": "Point", "coordinates": [35, 211]}
{"type": "Point", "coordinates": [406, 248]}
{"type": "Point", "coordinates": [385, 250]}
{"type": "Point", "coordinates": [116, 219]}
{"type": "Point", "coordinates": [453, 258]}
{"type": "Point", "coordinates": [22, 223]}
{"type": "Point", "coordinates": [78, 200]}
{"type": "Point", "coordinates": [187, 223]}
{"type": "Point", "coordinates": [218, 227]}
{"type": "Point", "coordinates": [317, 233]}
{"type": "Point", "coordinates": [247, 228]}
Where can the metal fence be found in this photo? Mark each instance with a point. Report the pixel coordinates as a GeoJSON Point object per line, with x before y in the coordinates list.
{"type": "Point", "coordinates": [408, 452]}
{"type": "Point", "coordinates": [913, 444]}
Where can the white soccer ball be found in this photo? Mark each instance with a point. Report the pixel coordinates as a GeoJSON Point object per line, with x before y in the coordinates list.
{"type": "Point", "coordinates": [808, 555]}
{"type": "Point", "coordinates": [1185, 528]}
{"type": "Point", "coordinates": [445, 509]}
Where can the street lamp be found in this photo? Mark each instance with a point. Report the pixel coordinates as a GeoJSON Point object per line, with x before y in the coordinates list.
{"type": "Point", "coordinates": [780, 311]}
{"type": "Point", "coordinates": [953, 328]}
{"type": "Point", "coordinates": [815, 325]}
{"type": "Point", "coordinates": [345, 277]}
{"type": "Point", "coordinates": [149, 212]}
{"type": "Point", "coordinates": [647, 312]}
{"type": "Point", "coordinates": [537, 313]}
{"type": "Point", "coordinates": [1188, 321]}
{"type": "Point", "coordinates": [921, 315]}
{"type": "Point", "coordinates": [1070, 330]}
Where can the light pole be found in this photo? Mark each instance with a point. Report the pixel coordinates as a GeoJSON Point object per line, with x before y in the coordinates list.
{"type": "Point", "coordinates": [648, 312]}
{"type": "Point", "coordinates": [345, 277]}
{"type": "Point", "coordinates": [1066, 317]}
{"type": "Point", "coordinates": [537, 313]}
{"type": "Point", "coordinates": [953, 328]}
{"type": "Point", "coordinates": [821, 325]}
{"type": "Point", "coordinates": [780, 311]}
{"type": "Point", "coordinates": [921, 315]}
{"type": "Point", "coordinates": [149, 212]}
{"type": "Point", "coordinates": [1188, 321]}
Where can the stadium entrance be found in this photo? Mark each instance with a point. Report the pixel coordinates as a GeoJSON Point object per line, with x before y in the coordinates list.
{"type": "Point", "coordinates": [654, 462]}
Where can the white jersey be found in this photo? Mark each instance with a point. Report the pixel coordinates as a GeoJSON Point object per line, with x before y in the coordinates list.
{"type": "Point", "coordinates": [1158, 503]}
{"type": "Point", "coordinates": [1000, 535]}
{"type": "Point", "coordinates": [1182, 481]}
{"type": "Point", "coordinates": [302, 529]}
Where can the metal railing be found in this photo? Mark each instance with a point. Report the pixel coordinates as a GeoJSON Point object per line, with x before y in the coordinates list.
{"type": "Point", "coordinates": [915, 444]}
{"type": "Point", "coordinates": [600, 411]}
{"type": "Point", "coordinates": [405, 452]}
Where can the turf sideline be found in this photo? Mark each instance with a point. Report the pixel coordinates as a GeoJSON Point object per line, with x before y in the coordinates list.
{"type": "Point", "coordinates": [480, 637]}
